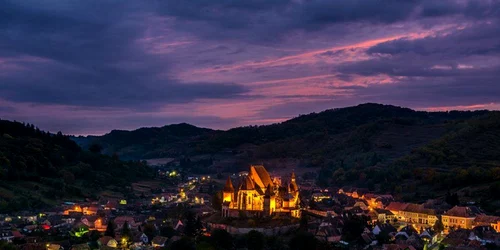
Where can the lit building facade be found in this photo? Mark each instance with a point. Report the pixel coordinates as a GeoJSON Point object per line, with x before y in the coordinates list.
{"type": "Point", "coordinates": [460, 217]}
{"type": "Point", "coordinates": [259, 195]}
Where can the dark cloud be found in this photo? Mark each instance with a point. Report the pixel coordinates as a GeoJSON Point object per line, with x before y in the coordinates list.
{"type": "Point", "coordinates": [415, 92]}
{"type": "Point", "coordinates": [459, 68]}
{"type": "Point", "coordinates": [265, 21]}
{"type": "Point", "coordinates": [82, 55]}
{"type": "Point", "coordinates": [477, 39]}
{"type": "Point", "coordinates": [458, 53]}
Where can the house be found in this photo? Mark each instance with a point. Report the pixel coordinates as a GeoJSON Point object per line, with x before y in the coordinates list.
{"type": "Point", "coordinates": [384, 215]}
{"type": "Point", "coordinates": [417, 213]}
{"type": "Point", "coordinates": [330, 229]}
{"type": "Point", "coordinates": [159, 241]}
{"type": "Point", "coordinates": [406, 232]}
{"type": "Point", "coordinates": [413, 213]}
{"type": "Point", "coordinates": [487, 220]}
{"type": "Point", "coordinates": [328, 234]}
{"type": "Point", "coordinates": [357, 211]}
{"type": "Point", "coordinates": [460, 217]}
{"type": "Point", "coordinates": [179, 226]}
{"type": "Point", "coordinates": [457, 238]}
{"type": "Point", "coordinates": [377, 200]}
{"type": "Point", "coordinates": [386, 228]}
{"type": "Point", "coordinates": [361, 204]}
{"type": "Point", "coordinates": [90, 210]}
{"type": "Point", "coordinates": [107, 241]}
{"type": "Point", "coordinates": [6, 235]}
{"type": "Point", "coordinates": [120, 221]}
{"type": "Point", "coordinates": [141, 238]}
{"type": "Point", "coordinates": [429, 235]}
{"type": "Point", "coordinates": [396, 208]}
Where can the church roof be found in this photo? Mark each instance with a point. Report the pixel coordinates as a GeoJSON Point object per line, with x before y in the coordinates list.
{"type": "Point", "coordinates": [260, 176]}
{"type": "Point", "coordinates": [247, 184]}
{"type": "Point", "coordinates": [229, 185]}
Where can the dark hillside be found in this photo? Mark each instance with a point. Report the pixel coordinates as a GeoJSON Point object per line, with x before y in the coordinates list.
{"type": "Point", "coordinates": [301, 137]}
{"type": "Point", "coordinates": [38, 168]}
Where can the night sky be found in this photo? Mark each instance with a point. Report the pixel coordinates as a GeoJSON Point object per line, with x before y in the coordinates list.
{"type": "Point", "coordinates": [90, 66]}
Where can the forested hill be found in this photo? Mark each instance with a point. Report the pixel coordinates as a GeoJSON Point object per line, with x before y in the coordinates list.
{"type": "Point", "coordinates": [170, 140]}
{"type": "Point", "coordinates": [38, 168]}
{"type": "Point", "coordinates": [307, 136]}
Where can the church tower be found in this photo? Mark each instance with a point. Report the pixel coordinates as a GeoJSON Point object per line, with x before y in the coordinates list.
{"type": "Point", "coordinates": [269, 201]}
{"type": "Point", "coordinates": [228, 191]}
{"type": "Point", "coordinates": [293, 184]}
{"type": "Point", "coordinates": [294, 191]}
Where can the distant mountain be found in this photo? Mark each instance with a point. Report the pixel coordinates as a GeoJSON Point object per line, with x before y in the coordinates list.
{"type": "Point", "coordinates": [143, 143]}
{"type": "Point", "coordinates": [39, 168]}
{"type": "Point", "coordinates": [329, 134]}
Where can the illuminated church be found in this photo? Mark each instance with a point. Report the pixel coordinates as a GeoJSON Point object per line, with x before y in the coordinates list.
{"type": "Point", "coordinates": [260, 195]}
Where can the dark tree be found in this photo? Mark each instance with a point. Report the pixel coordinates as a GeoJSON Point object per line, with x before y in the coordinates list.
{"type": "Point", "coordinates": [167, 231]}
{"type": "Point", "coordinates": [95, 148]}
{"type": "Point", "coordinates": [452, 199]}
{"type": "Point", "coordinates": [192, 225]}
{"type": "Point", "coordinates": [302, 240]}
{"type": "Point", "coordinates": [353, 228]}
{"type": "Point", "coordinates": [4, 245]}
{"type": "Point", "coordinates": [275, 243]}
{"type": "Point", "coordinates": [183, 244]}
{"type": "Point", "coordinates": [217, 201]}
{"type": "Point", "coordinates": [110, 229]}
{"type": "Point", "coordinates": [255, 240]}
{"type": "Point", "coordinates": [438, 226]}
{"type": "Point", "coordinates": [126, 233]}
{"type": "Point", "coordinates": [149, 230]}
{"type": "Point", "coordinates": [383, 237]}
{"type": "Point", "coordinates": [221, 239]}
{"type": "Point", "coordinates": [303, 222]}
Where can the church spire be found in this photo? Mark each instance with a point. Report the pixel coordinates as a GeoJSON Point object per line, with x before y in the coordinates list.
{"type": "Point", "coordinates": [293, 184]}
{"type": "Point", "coordinates": [229, 185]}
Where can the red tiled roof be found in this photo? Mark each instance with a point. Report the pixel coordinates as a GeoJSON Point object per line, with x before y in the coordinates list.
{"type": "Point", "coordinates": [396, 206]}
{"type": "Point", "coordinates": [417, 208]}
{"type": "Point", "coordinates": [262, 174]}
{"type": "Point", "coordinates": [17, 234]}
{"type": "Point", "coordinates": [486, 219]}
{"type": "Point", "coordinates": [465, 212]}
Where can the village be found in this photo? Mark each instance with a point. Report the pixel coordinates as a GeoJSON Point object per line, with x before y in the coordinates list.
{"type": "Point", "coordinates": [252, 201]}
